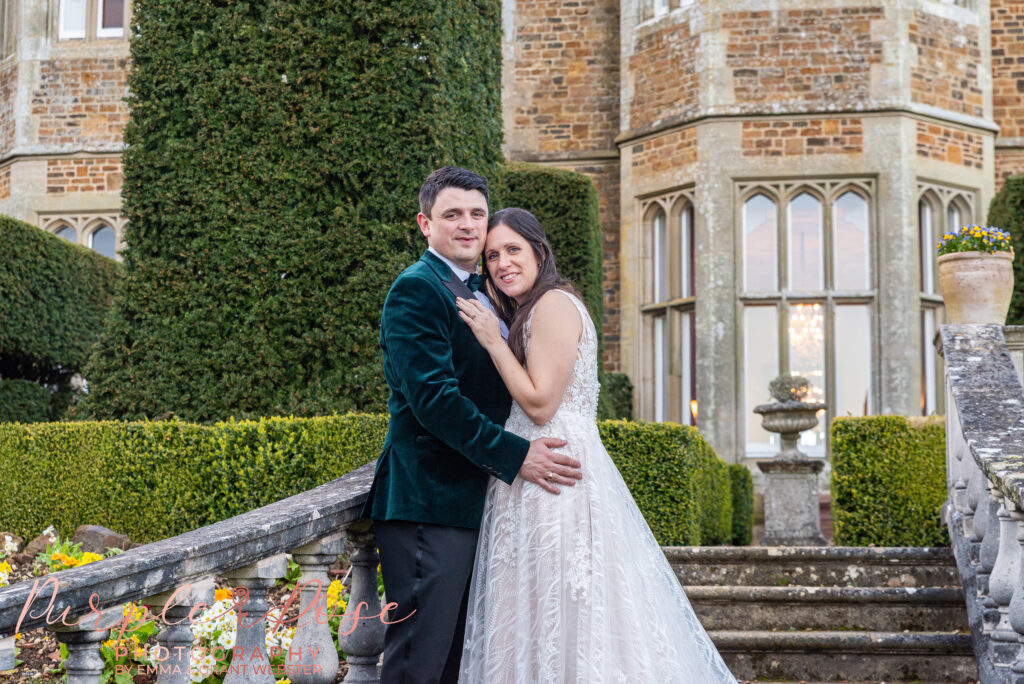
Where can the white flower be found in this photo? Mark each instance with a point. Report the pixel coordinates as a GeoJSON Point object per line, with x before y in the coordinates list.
{"type": "Point", "coordinates": [203, 668]}
{"type": "Point", "coordinates": [226, 639]}
{"type": "Point", "coordinates": [10, 546]}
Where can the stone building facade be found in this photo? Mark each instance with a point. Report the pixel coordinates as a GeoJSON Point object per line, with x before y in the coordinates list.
{"type": "Point", "coordinates": [63, 83]}
{"type": "Point", "coordinates": [774, 176]}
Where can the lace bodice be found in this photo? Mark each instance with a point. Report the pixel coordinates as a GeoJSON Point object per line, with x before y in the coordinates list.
{"type": "Point", "coordinates": [581, 394]}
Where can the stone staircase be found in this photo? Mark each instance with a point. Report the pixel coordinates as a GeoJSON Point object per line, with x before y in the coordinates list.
{"type": "Point", "coordinates": [831, 613]}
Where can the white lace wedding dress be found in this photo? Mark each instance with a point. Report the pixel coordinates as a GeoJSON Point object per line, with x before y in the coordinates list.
{"type": "Point", "coordinates": [574, 587]}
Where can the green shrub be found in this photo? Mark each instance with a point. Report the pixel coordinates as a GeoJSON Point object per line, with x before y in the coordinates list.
{"type": "Point", "coordinates": [616, 399]}
{"type": "Point", "coordinates": [24, 401]}
{"type": "Point", "coordinates": [888, 481]}
{"type": "Point", "coordinates": [680, 485]}
{"type": "Point", "coordinates": [565, 203]}
{"type": "Point", "coordinates": [1006, 211]}
{"type": "Point", "coordinates": [273, 159]}
{"type": "Point", "coordinates": [54, 297]}
{"type": "Point", "coordinates": [742, 504]}
{"type": "Point", "coordinates": [152, 480]}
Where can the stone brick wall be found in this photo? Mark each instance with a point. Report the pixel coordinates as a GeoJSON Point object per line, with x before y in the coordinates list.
{"type": "Point", "coordinates": [802, 137]}
{"type": "Point", "coordinates": [566, 75]}
{"type": "Point", "coordinates": [949, 145]}
{"type": "Point", "coordinates": [948, 60]}
{"type": "Point", "coordinates": [1008, 163]}
{"type": "Point", "coordinates": [809, 57]}
{"type": "Point", "coordinates": [83, 175]}
{"type": "Point", "coordinates": [1008, 67]}
{"type": "Point", "coordinates": [79, 102]}
{"type": "Point", "coordinates": [5, 182]}
{"type": "Point", "coordinates": [8, 84]}
{"type": "Point", "coordinates": [665, 80]}
{"type": "Point", "coordinates": [666, 154]}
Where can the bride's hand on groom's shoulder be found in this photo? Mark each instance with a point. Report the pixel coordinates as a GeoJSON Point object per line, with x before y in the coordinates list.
{"type": "Point", "coordinates": [481, 321]}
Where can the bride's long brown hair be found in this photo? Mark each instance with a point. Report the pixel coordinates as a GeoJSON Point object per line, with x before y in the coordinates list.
{"type": "Point", "coordinates": [514, 314]}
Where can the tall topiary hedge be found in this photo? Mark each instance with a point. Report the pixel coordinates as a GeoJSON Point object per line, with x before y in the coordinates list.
{"type": "Point", "coordinates": [54, 297]}
{"type": "Point", "coordinates": [888, 481]}
{"type": "Point", "coordinates": [1006, 211]}
{"type": "Point", "coordinates": [742, 504]}
{"type": "Point", "coordinates": [274, 154]}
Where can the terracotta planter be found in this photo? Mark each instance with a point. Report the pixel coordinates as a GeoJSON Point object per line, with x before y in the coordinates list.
{"type": "Point", "coordinates": [976, 286]}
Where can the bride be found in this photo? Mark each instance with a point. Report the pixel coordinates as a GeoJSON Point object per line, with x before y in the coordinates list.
{"type": "Point", "coordinates": [573, 587]}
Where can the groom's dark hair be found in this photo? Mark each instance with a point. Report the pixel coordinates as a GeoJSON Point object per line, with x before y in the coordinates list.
{"type": "Point", "coordinates": [449, 177]}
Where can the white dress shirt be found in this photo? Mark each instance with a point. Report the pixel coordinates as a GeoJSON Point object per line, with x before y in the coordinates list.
{"type": "Point", "coordinates": [462, 274]}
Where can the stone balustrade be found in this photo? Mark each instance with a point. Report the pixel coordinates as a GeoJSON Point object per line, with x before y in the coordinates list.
{"type": "Point", "coordinates": [174, 577]}
{"type": "Point", "coordinates": [985, 480]}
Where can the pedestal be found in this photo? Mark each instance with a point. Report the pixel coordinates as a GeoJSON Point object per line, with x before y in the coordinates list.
{"type": "Point", "coordinates": [791, 516]}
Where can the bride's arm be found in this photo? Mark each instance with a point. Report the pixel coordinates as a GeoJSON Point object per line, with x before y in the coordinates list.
{"type": "Point", "coordinates": [555, 332]}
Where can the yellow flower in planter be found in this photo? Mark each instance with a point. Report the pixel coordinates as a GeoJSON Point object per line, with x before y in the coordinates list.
{"type": "Point", "coordinates": [221, 594]}
{"type": "Point", "coordinates": [89, 557]}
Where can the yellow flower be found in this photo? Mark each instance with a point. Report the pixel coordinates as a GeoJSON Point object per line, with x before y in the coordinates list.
{"type": "Point", "coordinates": [221, 594]}
{"type": "Point", "coordinates": [284, 681]}
{"type": "Point", "coordinates": [89, 557]}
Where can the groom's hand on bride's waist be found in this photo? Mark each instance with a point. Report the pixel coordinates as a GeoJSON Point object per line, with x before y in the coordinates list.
{"type": "Point", "coordinates": [548, 469]}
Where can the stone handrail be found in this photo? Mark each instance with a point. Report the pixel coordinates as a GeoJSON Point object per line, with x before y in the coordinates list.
{"type": "Point", "coordinates": [984, 510]}
{"type": "Point", "coordinates": [175, 575]}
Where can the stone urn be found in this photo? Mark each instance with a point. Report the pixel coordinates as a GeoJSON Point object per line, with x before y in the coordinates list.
{"type": "Point", "coordinates": [791, 516]}
{"type": "Point", "coordinates": [976, 286]}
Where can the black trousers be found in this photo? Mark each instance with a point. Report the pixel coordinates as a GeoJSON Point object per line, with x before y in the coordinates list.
{"type": "Point", "coordinates": [426, 570]}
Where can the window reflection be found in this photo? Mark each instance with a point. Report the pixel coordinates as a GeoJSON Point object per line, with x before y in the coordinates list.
{"type": "Point", "coordinates": [760, 247]}
{"type": "Point", "coordinates": [660, 257]}
{"type": "Point", "coordinates": [853, 359]}
{"type": "Point", "coordinates": [806, 332]}
{"type": "Point", "coordinates": [805, 249]}
{"type": "Point", "coordinates": [850, 227]}
{"type": "Point", "coordinates": [68, 233]}
{"type": "Point", "coordinates": [103, 241]}
{"type": "Point", "coordinates": [761, 365]}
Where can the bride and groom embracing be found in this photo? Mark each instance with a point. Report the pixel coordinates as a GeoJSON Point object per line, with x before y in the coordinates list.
{"type": "Point", "coordinates": [513, 562]}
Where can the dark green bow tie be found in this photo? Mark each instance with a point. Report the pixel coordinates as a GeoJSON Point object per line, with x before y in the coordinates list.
{"type": "Point", "coordinates": [474, 281]}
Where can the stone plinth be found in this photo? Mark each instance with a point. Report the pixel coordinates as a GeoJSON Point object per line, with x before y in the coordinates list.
{"type": "Point", "coordinates": [791, 503]}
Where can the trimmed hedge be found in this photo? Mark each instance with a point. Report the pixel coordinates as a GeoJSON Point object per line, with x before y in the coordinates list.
{"type": "Point", "coordinates": [1006, 211]}
{"type": "Point", "coordinates": [54, 297]}
{"type": "Point", "coordinates": [742, 484]}
{"type": "Point", "coordinates": [24, 401]}
{"type": "Point", "coordinates": [888, 481]}
{"type": "Point", "coordinates": [566, 205]}
{"type": "Point", "coordinates": [678, 482]}
{"type": "Point", "coordinates": [616, 399]}
{"type": "Point", "coordinates": [273, 159]}
{"type": "Point", "coordinates": [152, 480]}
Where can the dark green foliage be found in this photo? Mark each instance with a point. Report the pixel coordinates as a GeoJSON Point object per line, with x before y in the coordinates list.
{"type": "Point", "coordinates": [680, 485]}
{"type": "Point", "coordinates": [742, 504]}
{"type": "Point", "coordinates": [888, 481]}
{"type": "Point", "coordinates": [275, 152]}
{"type": "Point", "coordinates": [616, 399]}
{"type": "Point", "coordinates": [155, 480]}
{"type": "Point", "coordinates": [24, 401]}
{"type": "Point", "coordinates": [1006, 211]}
{"type": "Point", "coordinates": [54, 297]}
{"type": "Point", "coordinates": [565, 203]}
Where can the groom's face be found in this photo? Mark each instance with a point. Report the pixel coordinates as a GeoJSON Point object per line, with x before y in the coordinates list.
{"type": "Point", "coordinates": [457, 225]}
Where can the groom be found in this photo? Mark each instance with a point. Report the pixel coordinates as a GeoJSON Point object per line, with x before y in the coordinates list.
{"type": "Point", "coordinates": [447, 406]}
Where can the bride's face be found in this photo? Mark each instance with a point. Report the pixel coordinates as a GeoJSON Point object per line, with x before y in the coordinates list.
{"type": "Point", "coordinates": [511, 262]}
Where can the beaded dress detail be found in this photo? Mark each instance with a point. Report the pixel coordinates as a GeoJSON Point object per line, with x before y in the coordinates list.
{"type": "Point", "coordinates": [574, 587]}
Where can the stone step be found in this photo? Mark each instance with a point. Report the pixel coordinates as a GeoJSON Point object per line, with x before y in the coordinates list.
{"type": "Point", "coordinates": [859, 656]}
{"type": "Point", "coordinates": [823, 566]}
{"type": "Point", "coordinates": [831, 608]}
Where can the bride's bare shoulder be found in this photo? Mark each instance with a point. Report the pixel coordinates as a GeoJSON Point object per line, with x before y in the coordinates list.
{"type": "Point", "coordinates": [556, 312]}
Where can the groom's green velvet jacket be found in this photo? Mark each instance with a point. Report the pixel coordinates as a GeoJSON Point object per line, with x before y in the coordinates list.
{"type": "Point", "coordinates": [447, 406]}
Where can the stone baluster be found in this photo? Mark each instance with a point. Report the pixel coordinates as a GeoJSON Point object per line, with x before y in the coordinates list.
{"type": "Point", "coordinates": [176, 611]}
{"type": "Point", "coordinates": [956, 454]}
{"type": "Point", "coordinates": [987, 555]}
{"type": "Point", "coordinates": [1017, 603]}
{"type": "Point", "coordinates": [313, 642]}
{"type": "Point", "coordinates": [1002, 583]}
{"type": "Point", "coordinates": [85, 664]}
{"type": "Point", "coordinates": [250, 665]}
{"type": "Point", "coordinates": [361, 632]}
{"type": "Point", "coordinates": [976, 515]}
